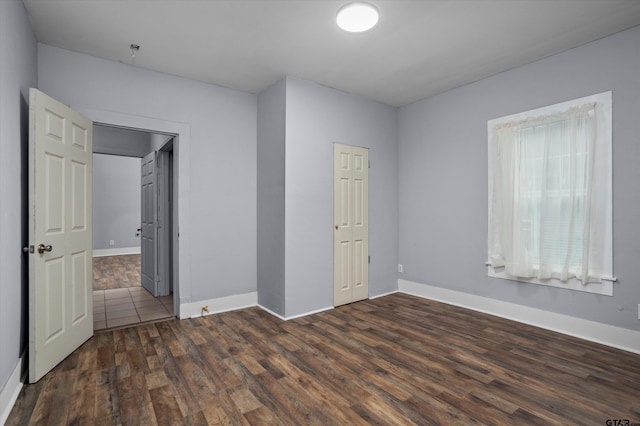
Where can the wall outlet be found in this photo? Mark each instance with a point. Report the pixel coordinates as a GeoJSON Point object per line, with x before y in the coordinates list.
{"type": "Point", "coordinates": [400, 267]}
{"type": "Point", "coordinates": [112, 243]}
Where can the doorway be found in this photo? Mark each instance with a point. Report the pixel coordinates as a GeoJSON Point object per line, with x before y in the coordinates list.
{"type": "Point", "coordinates": [120, 296]}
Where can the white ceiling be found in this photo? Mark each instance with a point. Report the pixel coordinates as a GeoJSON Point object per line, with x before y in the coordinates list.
{"type": "Point", "coordinates": [418, 49]}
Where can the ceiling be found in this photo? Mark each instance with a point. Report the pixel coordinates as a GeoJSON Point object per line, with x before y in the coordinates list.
{"type": "Point", "coordinates": [418, 49]}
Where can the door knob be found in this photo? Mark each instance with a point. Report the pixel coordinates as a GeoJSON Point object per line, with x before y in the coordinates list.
{"type": "Point", "coordinates": [42, 248]}
{"type": "Point", "coordinates": [336, 226]}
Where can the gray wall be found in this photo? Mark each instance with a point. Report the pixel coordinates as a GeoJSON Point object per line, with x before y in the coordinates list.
{"type": "Point", "coordinates": [316, 118]}
{"type": "Point", "coordinates": [271, 193]}
{"type": "Point", "coordinates": [222, 175]}
{"type": "Point", "coordinates": [443, 177]}
{"type": "Point", "coordinates": [118, 141]}
{"type": "Point", "coordinates": [18, 72]}
{"type": "Point", "coordinates": [116, 201]}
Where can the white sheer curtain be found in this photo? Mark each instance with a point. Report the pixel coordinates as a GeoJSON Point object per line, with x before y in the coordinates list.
{"type": "Point", "coordinates": [546, 219]}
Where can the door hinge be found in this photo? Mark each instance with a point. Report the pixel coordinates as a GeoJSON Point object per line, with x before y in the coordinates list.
{"type": "Point", "coordinates": [369, 260]}
{"type": "Point", "coordinates": [369, 163]}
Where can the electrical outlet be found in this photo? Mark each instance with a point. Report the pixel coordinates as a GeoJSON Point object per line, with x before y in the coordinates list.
{"type": "Point", "coordinates": [112, 243]}
{"type": "Point", "coordinates": [400, 267]}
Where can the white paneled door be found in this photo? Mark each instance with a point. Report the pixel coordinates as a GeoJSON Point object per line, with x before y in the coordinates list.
{"type": "Point", "coordinates": [351, 224]}
{"type": "Point", "coordinates": [60, 250]}
{"type": "Point", "coordinates": [149, 212]}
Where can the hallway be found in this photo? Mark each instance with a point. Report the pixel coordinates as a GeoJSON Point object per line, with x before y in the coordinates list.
{"type": "Point", "coordinates": [119, 299]}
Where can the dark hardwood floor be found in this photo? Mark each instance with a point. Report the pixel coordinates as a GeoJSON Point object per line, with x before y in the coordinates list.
{"type": "Point", "coordinates": [393, 360]}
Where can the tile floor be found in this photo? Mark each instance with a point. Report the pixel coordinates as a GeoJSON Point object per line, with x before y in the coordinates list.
{"type": "Point", "coordinates": [125, 306]}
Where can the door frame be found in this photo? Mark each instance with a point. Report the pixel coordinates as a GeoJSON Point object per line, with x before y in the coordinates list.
{"type": "Point", "coordinates": [181, 249]}
{"type": "Point", "coordinates": [167, 209]}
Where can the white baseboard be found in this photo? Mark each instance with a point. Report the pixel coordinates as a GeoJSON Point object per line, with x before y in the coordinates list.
{"type": "Point", "coordinates": [283, 318]}
{"type": "Point", "coordinates": [220, 304]}
{"type": "Point", "coordinates": [116, 251]}
{"type": "Point", "coordinates": [616, 337]}
{"type": "Point", "coordinates": [271, 312]}
{"type": "Point", "coordinates": [317, 311]}
{"type": "Point", "coordinates": [10, 392]}
{"type": "Point", "coordinates": [383, 294]}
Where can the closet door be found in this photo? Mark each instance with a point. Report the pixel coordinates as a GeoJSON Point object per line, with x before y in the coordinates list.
{"type": "Point", "coordinates": [351, 224]}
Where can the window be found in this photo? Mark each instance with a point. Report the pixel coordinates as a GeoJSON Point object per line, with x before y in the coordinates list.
{"type": "Point", "coordinates": [550, 207]}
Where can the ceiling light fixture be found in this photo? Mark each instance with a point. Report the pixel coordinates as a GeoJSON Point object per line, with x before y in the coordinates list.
{"type": "Point", "coordinates": [357, 17]}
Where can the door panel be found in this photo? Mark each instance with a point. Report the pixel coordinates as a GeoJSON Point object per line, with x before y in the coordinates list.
{"type": "Point", "coordinates": [79, 214]}
{"type": "Point", "coordinates": [60, 275]}
{"type": "Point", "coordinates": [351, 230]}
{"type": "Point", "coordinates": [54, 293]}
{"type": "Point", "coordinates": [79, 296]}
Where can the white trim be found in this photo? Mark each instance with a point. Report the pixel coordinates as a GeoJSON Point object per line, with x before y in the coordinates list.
{"type": "Point", "coordinates": [383, 294]}
{"type": "Point", "coordinates": [116, 251]}
{"type": "Point", "coordinates": [271, 312]}
{"type": "Point", "coordinates": [218, 305]}
{"type": "Point", "coordinates": [10, 392]}
{"type": "Point", "coordinates": [182, 288]}
{"type": "Point", "coordinates": [317, 311]}
{"type": "Point", "coordinates": [283, 318]}
{"type": "Point", "coordinates": [604, 288]}
{"type": "Point", "coordinates": [616, 337]}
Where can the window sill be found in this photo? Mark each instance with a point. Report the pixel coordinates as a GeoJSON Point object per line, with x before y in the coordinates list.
{"type": "Point", "coordinates": [605, 288]}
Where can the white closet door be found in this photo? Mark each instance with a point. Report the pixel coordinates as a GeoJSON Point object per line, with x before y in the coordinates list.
{"type": "Point", "coordinates": [351, 224]}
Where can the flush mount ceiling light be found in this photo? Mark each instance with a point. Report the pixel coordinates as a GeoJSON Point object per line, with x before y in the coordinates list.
{"type": "Point", "coordinates": [357, 17]}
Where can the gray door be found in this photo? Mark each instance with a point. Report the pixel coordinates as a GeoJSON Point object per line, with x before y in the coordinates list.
{"type": "Point", "coordinates": [149, 221]}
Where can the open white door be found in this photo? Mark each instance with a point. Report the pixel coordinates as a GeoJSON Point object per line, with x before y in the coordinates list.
{"type": "Point", "coordinates": [351, 219]}
{"type": "Point", "coordinates": [60, 250]}
{"type": "Point", "coordinates": [149, 213]}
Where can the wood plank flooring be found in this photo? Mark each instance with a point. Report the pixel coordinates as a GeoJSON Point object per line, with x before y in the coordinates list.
{"type": "Point", "coordinates": [393, 360]}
